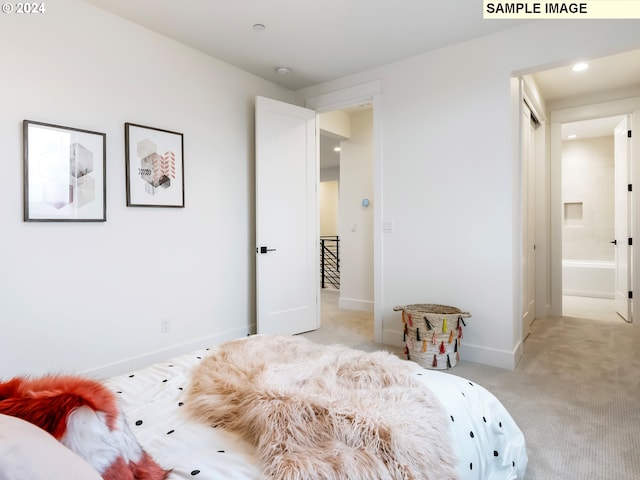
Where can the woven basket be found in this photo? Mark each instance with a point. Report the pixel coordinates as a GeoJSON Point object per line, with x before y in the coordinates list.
{"type": "Point", "coordinates": [432, 334]}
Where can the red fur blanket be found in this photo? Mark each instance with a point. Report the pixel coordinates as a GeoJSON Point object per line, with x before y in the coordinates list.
{"type": "Point", "coordinates": [83, 415]}
{"type": "Point", "coordinates": [324, 412]}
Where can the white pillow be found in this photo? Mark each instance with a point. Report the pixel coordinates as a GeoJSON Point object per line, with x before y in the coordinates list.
{"type": "Point", "coordinates": [28, 452]}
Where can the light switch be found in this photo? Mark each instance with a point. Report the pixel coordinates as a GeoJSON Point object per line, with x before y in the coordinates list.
{"type": "Point", "coordinates": [387, 227]}
{"type": "Point", "coordinates": [353, 227]}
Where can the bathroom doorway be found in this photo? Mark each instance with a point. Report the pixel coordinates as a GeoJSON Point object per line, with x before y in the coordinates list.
{"type": "Point", "coordinates": [595, 201]}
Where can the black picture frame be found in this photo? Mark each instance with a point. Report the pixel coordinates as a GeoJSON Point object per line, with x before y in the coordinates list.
{"type": "Point", "coordinates": [154, 160]}
{"type": "Point", "coordinates": [65, 173]}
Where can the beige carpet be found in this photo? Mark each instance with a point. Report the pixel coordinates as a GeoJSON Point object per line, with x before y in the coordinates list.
{"type": "Point", "coordinates": [575, 393]}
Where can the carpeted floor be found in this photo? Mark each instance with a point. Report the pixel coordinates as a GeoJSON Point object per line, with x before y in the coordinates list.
{"type": "Point", "coordinates": [575, 393]}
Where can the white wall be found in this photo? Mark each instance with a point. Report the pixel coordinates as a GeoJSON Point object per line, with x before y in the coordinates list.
{"type": "Point", "coordinates": [77, 296]}
{"type": "Point", "coordinates": [81, 296]}
{"type": "Point", "coordinates": [336, 124]}
{"type": "Point", "coordinates": [588, 191]}
{"type": "Point", "coordinates": [355, 220]}
{"type": "Point", "coordinates": [450, 174]}
{"type": "Point", "coordinates": [328, 199]}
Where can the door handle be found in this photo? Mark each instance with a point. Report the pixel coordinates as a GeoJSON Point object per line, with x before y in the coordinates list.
{"type": "Point", "coordinates": [265, 250]}
{"type": "Point", "coordinates": [615, 242]}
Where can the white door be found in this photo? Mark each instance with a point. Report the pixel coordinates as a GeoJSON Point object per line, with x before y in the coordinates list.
{"type": "Point", "coordinates": [528, 221]}
{"type": "Point", "coordinates": [622, 218]}
{"type": "Point", "coordinates": [287, 272]}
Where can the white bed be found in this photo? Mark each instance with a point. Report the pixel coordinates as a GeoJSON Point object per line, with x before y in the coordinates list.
{"type": "Point", "coordinates": [486, 441]}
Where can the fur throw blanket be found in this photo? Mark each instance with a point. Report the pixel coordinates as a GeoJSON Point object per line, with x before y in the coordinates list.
{"type": "Point", "coordinates": [324, 412]}
{"type": "Point", "coordinates": [84, 416]}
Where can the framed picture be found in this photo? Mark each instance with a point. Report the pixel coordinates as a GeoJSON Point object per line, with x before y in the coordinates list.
{"type": "Point", "coordinates": [154, 167]}
{"type": "Point", "coordinates": [64, 174]}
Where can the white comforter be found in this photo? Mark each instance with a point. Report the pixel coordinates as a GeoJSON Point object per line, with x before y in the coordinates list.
{"type": "Point", "coordinates": [486, 440]}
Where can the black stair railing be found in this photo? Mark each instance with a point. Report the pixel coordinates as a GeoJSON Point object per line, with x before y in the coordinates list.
{"type": "Point", "coordinates": [330, 261]}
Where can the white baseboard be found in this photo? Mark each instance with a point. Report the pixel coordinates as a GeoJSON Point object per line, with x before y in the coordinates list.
{"type": "Point", "coordinates": [134, 363]}
{"type": "Point", "coordinates": [472, 353]}
{"type": "Point", "coordinates": [588, 293]}
{"type": "Point", "coordinates": [353, 304]}
{"type": "Point", "coordinates": [491, 356]}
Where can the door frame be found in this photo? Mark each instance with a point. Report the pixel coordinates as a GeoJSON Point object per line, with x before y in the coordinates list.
{"type": "Point", "coordinates": [627, 106]}
{"type": "Point", "coordinates": [285, 133]}
{"type": "Point", "coordinates": [339, 100]}
{"type": "Point", "coordinates": [529, 188]}
{"type": "Point", "coordinates": [527, 94]}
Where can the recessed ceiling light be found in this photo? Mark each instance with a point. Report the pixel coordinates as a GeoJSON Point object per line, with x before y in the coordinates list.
{"type": "Point", "coordinates": [336, 149]}
{"type": "Point", "coordinates": [258, 27]}
{"type": "Point", "coordinates": [580, 67]}
{"type": "Point", "coordinates": [572, 136]}
{"type": "Point", "coordinates": [283, 71]}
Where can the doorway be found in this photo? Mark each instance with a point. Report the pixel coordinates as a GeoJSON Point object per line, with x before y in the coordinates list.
{"type": "Point", "coordinates": [346, 212]}
{"type": "Point", "coordinates": [562, 117]}
{"type": "Point", "coordinates": [307, 141]}
{"type": "Point", "coordinates": [370, 92]}
{"type": "Point", "coordinates": [594, 220]}
{"type": "Point", "coordinates": [610, 90]}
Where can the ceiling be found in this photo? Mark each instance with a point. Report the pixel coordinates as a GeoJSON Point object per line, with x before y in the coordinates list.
{"type": "Point", "coordinates": [614, 72]}
{"type": "Point", "coordinates": [598, 127]}
{"type": "Point", "coordinates": [324, 40]}
{"type": "Point", "coordinates": [317, 40]}
{"type": "Point", "coordinates": [606, 73]}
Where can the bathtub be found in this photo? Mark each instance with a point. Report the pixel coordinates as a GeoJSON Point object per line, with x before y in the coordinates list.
{"type": "Point", "coordinates": [589, 278]}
